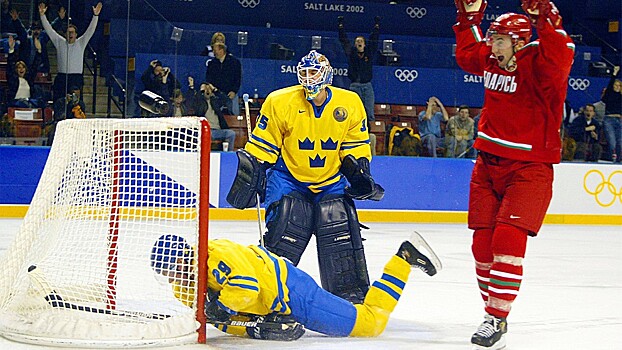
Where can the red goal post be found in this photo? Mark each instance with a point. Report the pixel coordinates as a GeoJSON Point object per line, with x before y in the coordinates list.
{"type": "Point", "coordinates": [79, 272]}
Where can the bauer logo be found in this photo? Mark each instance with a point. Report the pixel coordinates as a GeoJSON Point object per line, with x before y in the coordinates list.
{"type": "Point", "coordinates": [606, 189]}
{"type": "Point", "coordinates": [249, 3]}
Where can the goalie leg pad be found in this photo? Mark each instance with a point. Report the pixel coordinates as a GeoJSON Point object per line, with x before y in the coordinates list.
{"type": "Point", "coordinates": [343, 269]}
{"type": "Point", "coordinates": [291, 228]}
{"type": "Point", "coordinates": [250, 179]}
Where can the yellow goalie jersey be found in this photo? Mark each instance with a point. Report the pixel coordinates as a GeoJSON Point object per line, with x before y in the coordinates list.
{"type": "Point", "coordinates": [311, 140]}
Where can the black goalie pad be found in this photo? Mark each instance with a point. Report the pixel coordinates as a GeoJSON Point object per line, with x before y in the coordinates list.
{"type": "Point", "coordinates": [362, 185]}
{"type": "Point", "coordinates": [250, 179]}
{"type": "Point", "coordinates": [291, 228]}
{"type": "Point", "coordinates": [343, 269]}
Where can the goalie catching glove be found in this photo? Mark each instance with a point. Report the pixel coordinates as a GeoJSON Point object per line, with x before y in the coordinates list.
{"type": "Point", "coordinates": [290, 329]}
{"type": "Point", "coordinates": [362, 185]}
{"type": "Point", "coordinates": [542, 10]}
{"type": "Point", "coordinates": [249, 181]}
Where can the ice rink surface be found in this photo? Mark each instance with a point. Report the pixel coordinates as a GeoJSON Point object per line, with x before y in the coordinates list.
{"type": "Point", "coordinates": [570, 298]}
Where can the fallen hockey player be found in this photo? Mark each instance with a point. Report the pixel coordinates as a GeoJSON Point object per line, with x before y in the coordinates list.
{"type": "Point", "coordinates": [252, 292]}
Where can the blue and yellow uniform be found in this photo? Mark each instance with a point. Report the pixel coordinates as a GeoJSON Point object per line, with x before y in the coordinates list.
{"type": "Point", "coordinates": [252, 280]}
{"type": "Point", "coordinates": [307, 142]}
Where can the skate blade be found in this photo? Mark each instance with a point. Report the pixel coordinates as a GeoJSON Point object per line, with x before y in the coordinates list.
{"type": "Point", "coordinates": [496, 346]}
{"type": "Point", "coordinates": [417, 240]}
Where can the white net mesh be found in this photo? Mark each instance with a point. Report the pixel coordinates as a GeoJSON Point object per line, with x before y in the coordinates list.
{"type": "Point", "coordinates": [109, 189]}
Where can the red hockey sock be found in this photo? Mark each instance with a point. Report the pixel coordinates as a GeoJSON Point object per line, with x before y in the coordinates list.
{"type": "Point", "coordinates": [482, 252]}
{"type": "Point", "coordinates": [506, 274]}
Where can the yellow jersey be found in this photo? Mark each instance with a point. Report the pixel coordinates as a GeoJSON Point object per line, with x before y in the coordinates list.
{"type": "Point", "coordinates": [250, 279]}
{"type": "Point", "coordinates": [311, 140]}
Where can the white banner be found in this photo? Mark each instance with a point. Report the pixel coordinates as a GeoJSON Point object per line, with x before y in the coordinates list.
{"type": "Point", "coordinates": [590, 189]}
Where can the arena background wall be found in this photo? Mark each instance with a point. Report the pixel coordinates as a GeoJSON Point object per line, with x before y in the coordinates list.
{"type": "Point", "coordinates": [417, 189]}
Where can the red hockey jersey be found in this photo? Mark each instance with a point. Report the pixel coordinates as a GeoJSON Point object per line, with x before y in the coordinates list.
{"type": "Point", "coordinates": [522, 112]}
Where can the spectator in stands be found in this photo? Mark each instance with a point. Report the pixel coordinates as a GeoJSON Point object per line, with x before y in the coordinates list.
{"type": "Point", "coordinates": [70, 51]}
{"type": "Point", "coordinates": [218, 37]}
{"type": "Point", "coordinates": [599, 108]}
{"type": "Point", "coordinates": [430, 125]}
{"type": "Point", "coordinates": [585, 129]}
{"type": "Point", "coordinates": [459, 134]}
{"type": "Point", "coordinates": [178, 108]}
{"type": "Point", "coordinates": [31, 45]}
{"type": "Point", "coordinates": [159, 80]}
{"type": "Point", "coordinates": [613, 115]}
{"type": "Point", "coordinates": [68, 107]}
{"type": "Point", "coordinates": [71, 106]}
{"type": "Point", "coordinates": [224, 73]}
{"type": "Point", "coordinates": [360, 72]}
{"type": "Point", "coordinates": [61, 22]}
{"type": "Point", "coordinates": [569, 144]}
{"type": "Point", "coordinates": [6, 21]}
{"type": "Point", "coordinates": [21, 86]}
{"type": "Point", "coordinates": [206, 103]}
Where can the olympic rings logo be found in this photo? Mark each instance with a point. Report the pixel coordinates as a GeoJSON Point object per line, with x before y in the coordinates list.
{"type": "Point", "coordinates": [579, 84]}
{"type": "Point", "coordinates": [416, 12]}
{"type": "Point", "coordinates": [406, 75]}
{"type": "Point", "coordinates": [605, 191]}
{"type": "Point", "coordinates": [249, 3]}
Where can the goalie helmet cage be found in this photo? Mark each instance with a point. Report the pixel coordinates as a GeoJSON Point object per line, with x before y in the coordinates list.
{"type": "Point", "coordinates": [79, 271]}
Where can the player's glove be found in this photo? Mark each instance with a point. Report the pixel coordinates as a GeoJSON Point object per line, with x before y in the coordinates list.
{"type": "Point", "coordinates": [290, 330]}
{"type": "Point", "coordinates": [362, 185]}
{"type": "Point", "coordinates": [542, 10]}
{"type": "Point", "coordinates": [470, 12]}
{"type": "Point", "coordinates": [213, 311]}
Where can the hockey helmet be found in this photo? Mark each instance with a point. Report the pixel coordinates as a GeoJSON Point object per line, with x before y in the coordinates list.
{"type": "Point", "coordinates": [314, 73]}
{"type": "Point", "coordinates": [512, 24]}
{"type": "Point", "coordinates": [166, 250]}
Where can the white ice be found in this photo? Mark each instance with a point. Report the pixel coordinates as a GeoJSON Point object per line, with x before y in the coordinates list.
{"type": "Point", "coordinates": [570, 298]}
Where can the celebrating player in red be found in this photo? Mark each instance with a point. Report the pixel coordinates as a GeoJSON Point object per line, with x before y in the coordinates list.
{"type": "Point", "coordinates": [511, 185]}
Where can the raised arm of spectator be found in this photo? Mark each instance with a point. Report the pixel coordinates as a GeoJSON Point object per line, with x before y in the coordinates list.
{"type": "Point", "coordinates": [443, 110]}
{"type": "Point", "coordinates": [93, 25]}
{"type": "Point", "coordinates": [22, 35]}
{"type": "Point", "coordinates": [343, 37]}
{"type": "Point", "coordinates": [56, 38]}
{"type": "Point", "coordinates": [373, 37]}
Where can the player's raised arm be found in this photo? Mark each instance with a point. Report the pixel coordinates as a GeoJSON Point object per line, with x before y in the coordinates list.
{"type": "Point", "coordinates": [471, 52]}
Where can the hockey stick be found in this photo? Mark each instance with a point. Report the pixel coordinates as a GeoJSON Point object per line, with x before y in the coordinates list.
{"type": "Point", "coordinates": [249, 130]}
{"type": "Point", "coordinates": [254, 321]}
{"type": "Point", "coordinates": [56, 301]}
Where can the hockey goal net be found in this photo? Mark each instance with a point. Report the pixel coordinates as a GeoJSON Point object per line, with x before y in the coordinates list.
{"type": "Point", "coordinates": [79, 272]}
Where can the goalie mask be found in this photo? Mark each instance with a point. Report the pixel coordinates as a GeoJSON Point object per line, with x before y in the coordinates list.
{"type": "Point", "coordinates": [518, 27]}
{"type": "Point", "coordinates": [314, 73]}
{"type": "Point", "coordinates": [166, 252]}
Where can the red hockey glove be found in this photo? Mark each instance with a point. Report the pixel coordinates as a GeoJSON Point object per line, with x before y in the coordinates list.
{"type": "Point", "coordinates": [542, 9]}
{"type": "Point", "coordinates": [470, 11]}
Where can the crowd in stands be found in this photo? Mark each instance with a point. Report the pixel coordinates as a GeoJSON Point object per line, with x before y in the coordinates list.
{"type": "Point", "coordinates": [28, 66]}
{"type": "Point", "coordinates": [593, 133]}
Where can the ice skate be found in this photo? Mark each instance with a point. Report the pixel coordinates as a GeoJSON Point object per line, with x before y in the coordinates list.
{"type": "Point", "coordinates": [490, 334]}
{"type": "Point", "coordinates": [409, 251]}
